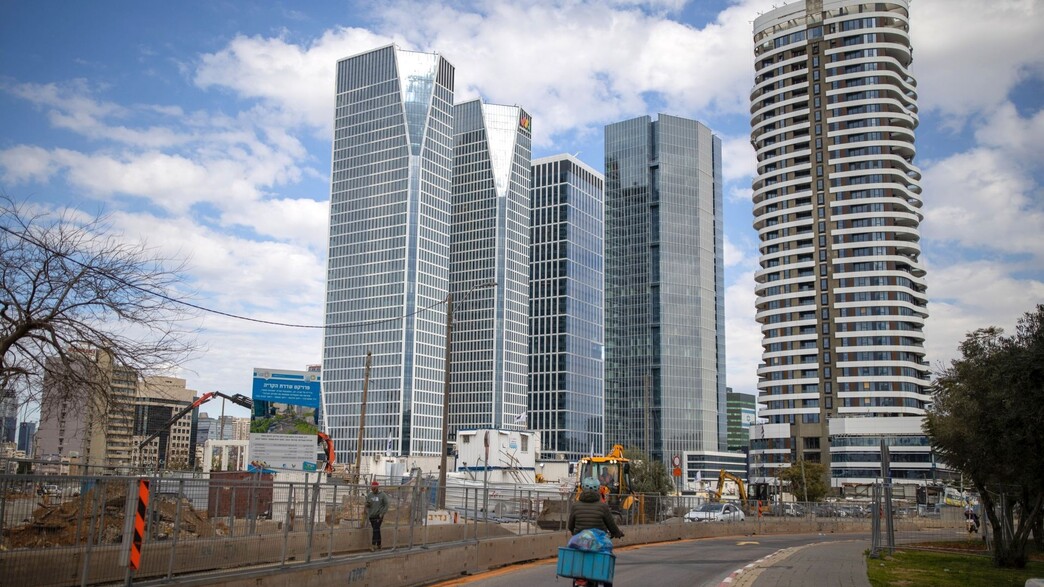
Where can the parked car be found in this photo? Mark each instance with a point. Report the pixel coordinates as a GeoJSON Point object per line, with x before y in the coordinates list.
{"type": "Point", "coordinates": [828, 511]}
{"type": "Point", "coordinates": [715, 512]}
{"type": "Point", "coordinates": [51, 489]}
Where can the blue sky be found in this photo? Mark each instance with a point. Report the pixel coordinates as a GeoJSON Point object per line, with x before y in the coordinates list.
{"type": "Point", "coordinates": [204, 127]}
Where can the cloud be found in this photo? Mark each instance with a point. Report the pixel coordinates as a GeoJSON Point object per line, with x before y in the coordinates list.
{"type": "Point", "coordinates": [297, 80]}
{"type": "Point", "coordinates": [587, 63]}
{"type": "Point", "coordinates": [969, 55]}
{"type": "Point", "coordinates": [737, 158]}
{"type": "Point", "coordinates": [742, 335]}
{"type": "Point", "coordinates": [1020, 139]}
{"type": "Point", "coordinates": [72, 106]}
{"type": "Point", "coordinates": [278, 281]}
{"type": "Point", "coordinates": [301, 221]}
{"type": "Point", "coordinates": [987, 198]}
{"type": "Point", "coordinates": [26, 163]}
{"type": "Point", "coordinates": [967, 295]}
{"type": "Point", "coordinates": [733, 255]}
{"type": "Point", "coordinates": [584, 64]}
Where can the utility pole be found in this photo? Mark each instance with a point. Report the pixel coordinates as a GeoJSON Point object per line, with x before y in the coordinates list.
{"type": "Point", "coordinates": [362, 414]}
{"type": "Point", "coordinates": [440, 502]}
{"type": "Point", "coordinates": [440, 499]}
{"type": "Point", "coordinates": [647, 388]}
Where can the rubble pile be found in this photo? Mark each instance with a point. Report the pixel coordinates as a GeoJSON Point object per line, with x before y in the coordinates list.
{"type": "Point", "coordinates": [69, 522]}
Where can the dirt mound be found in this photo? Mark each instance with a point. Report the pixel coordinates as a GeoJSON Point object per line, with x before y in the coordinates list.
{"type": "Point", "coordinates": [69, 522]}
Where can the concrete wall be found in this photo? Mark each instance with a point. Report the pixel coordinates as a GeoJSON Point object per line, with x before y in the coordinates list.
{"type": "Point", "coordinates": [424, 565]}
{"type": "Point", "coordinates": [411, 557]}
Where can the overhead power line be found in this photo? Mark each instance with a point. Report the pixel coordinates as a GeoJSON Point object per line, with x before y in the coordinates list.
{"type": "Point", "coordinates": [164, 296]}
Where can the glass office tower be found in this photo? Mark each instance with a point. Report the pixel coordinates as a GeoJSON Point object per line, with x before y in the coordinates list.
{"type": "Point", "coordinates": [389, 251]}
{"type": "Point", "coordinates": [664, 287]}
{"type": "Point", "coordinates": [837, 206]}
{"type": "Point", "coordinates": [566, 308]}
{"type": "Point", "coordinates": [489, 266]}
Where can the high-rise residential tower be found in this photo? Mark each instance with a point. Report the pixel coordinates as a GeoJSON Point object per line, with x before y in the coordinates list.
{"type": "Point", "coordinates": [99, 431]}
{"type": "Point", "coordinates": [489, 265]}
{"type": "Point", "coordinates": [841, 289]}
{"type": "Point", "coordinates": [664, 287]}
{"type": "Point", "coordinates": [389, 251]}
{"type": "Point", "coordinates": [566, 301]}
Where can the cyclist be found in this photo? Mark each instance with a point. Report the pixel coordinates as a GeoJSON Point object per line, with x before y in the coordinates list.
{"type": "Point", "coordinates": [591, 513]}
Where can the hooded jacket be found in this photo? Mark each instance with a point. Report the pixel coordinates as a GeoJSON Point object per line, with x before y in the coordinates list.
{"type": "Point", "coordinates": [590, 512]}
{"type": "Point", "coordinates": [376, 504]}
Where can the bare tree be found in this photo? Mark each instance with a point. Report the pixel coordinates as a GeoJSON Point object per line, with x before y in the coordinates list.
{"type": "Point", "coordinates": [75, 302]}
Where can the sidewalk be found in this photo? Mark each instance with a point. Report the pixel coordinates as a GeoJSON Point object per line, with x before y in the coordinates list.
{"type": "Point", "coordinates": [839, 564]}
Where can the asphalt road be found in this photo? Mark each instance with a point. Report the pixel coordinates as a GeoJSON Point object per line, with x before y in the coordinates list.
{"type": "Point", "coordinates": [696, 563]}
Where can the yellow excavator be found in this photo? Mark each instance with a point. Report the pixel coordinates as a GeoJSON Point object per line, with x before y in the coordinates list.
{"type": "Point", "coordinates": [613, 472]}
{"type": "Point", "coordinates": [741, 492]}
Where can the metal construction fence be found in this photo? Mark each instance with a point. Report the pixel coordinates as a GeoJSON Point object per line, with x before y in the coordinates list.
{"type": "Point", "coordinates": [78, 530]}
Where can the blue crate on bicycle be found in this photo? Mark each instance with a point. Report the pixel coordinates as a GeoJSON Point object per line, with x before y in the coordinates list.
{"type": "Point", "coordinates": [584, 564]}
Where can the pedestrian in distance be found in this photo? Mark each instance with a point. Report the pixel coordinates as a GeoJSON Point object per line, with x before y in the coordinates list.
{"type": "Point", "coordinates": [376, 507]}
{"type": "Point", "coordinates": [972, 520]}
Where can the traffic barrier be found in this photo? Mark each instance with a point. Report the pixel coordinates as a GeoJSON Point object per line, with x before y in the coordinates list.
{"type": "Point", "coordinates": [139, 523]}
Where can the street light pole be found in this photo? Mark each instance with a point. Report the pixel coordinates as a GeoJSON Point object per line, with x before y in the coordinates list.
{"type": "Point", "coordinates": [440, 500]}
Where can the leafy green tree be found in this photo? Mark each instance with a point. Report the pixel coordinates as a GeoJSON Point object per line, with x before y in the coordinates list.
{"type": "Point", "coordinates": [986, 422]}
{"type": "Point", "coordinates": [651, 479]}
{"type": "Point", "coordinates": [648, 476]}
{"type": "Point", "coordinates": [807, 480]}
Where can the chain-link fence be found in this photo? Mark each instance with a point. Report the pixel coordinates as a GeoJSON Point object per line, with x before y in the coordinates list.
{"type": "Point", "coordinates": [77, 531]}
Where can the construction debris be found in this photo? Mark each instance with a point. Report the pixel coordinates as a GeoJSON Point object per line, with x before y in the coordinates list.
{"type": "Point", "coordinates": [69, 522]}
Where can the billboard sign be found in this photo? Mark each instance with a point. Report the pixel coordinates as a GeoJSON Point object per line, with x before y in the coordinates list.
{"type": "Point", "coordinates": [283, 425]}
{"type": "Point", "coordinates": [300, 388]}
{"type": "Point", "coordinates": [293, 452]}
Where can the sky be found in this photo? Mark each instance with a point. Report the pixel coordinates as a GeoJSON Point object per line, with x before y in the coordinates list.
{"type": "Point", "coordinates": [204, 128]}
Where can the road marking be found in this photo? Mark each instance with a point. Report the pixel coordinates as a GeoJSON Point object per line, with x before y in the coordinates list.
{"type": "Point", "coordinates": [745, 543]}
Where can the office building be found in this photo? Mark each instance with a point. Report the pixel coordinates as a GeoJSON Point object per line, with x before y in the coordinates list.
{"type": "Point", "coordinates": [741, 411]}
{"type": "Point", "coordinates": [389, 252]}
{"type": "Point", "coordinates": [99, 432]}
{"type": "Point", "coordinates": [26, 438]}
{"type": "Point", "coordinates": [566, 308]}
{"type": "Point", "coordinates": [157, 401]}
{"type": "Point", "coordinates": [489, 266]}
{"type": "Point", "coordinates": [104, 436]}
{"type": "Point", "coordinates": [664, 288]}
{"type": "Point", "coordinates": [837, 207]}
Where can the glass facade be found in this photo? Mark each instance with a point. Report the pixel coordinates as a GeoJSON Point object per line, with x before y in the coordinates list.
{"type": "Point", "coordinates": [489, 266]}
{"type": "Point", "coordinates": [566, 301]}
{"type": "Point", "coordinates": [664, 287]}
{"type": "Point", "coordinates": [742, 412]}
{"type": "Point", "coordinates": [389, 251]}
{"type": "Point", "coordinates": [841, 289]}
